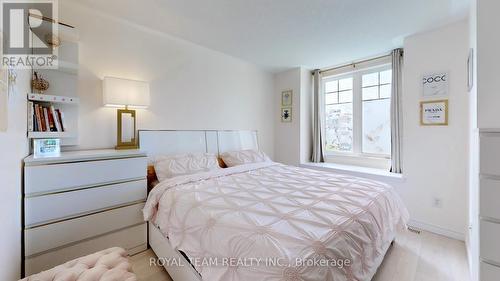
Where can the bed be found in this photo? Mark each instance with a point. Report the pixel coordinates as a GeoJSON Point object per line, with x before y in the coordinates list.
{"type": "Point", "coordinates": [265, 220]}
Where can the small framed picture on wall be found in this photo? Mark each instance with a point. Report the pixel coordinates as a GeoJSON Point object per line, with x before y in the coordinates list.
{"type": "Point", "coordinates": [286, 98]}
{"type": "Point", "coordinates": [434, 113]}
{"type": "Point", "coordinates": [286, 114]}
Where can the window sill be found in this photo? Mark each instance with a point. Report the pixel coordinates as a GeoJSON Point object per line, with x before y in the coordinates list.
{"type": "Point", "coordinates": [373, 173]}
{"type": "Point", "coordinates": [359, 161]}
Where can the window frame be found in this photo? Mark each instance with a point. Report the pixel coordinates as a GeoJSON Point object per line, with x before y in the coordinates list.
{"type": "Point", "coordinates": [356, 156]}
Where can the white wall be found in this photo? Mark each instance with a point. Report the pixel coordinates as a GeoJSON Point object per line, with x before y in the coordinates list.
{"type": "Point", "coordinates": [287, 135]}
{"type": "Point", "coordinates": [14, 149]}
{"type": "Point", "coordinates": [191, 87]}
{"type": "Point", "coordinates": [435, 159]}
{"type": "Point", "coordinates": [293, 140]}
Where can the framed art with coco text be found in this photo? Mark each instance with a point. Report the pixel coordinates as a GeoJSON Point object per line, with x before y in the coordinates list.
{"type": "Point", "coordinates": [435, 85]}
{"type": "Point", "coordinates": [434, 113]}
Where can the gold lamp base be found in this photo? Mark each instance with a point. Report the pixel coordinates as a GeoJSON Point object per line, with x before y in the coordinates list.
{"type": "Point", "coordinates": [121, 144]}
{"type": "Point", "coordinates": [125, 147]}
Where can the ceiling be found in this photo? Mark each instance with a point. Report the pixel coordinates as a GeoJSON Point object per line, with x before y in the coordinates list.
{"type": "Point", "coordinates": [279, 34]}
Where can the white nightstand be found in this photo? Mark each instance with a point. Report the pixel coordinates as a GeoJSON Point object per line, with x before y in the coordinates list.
{"type": "Point", "coordinates": [83, 202]}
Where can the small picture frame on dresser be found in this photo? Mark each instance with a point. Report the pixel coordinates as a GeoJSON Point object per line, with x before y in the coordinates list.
{"type": "Point", "coordinates": [46, 148]}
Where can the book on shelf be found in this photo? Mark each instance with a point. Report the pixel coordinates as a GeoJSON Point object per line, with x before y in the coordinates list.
{"type": "Point", "coordinates": [57, 122]}
{"type": "Point", "coordinates": [44, 117]}
{"type": "Point", "coordinates": [38, 118]}
{"type": "Point", "coordinates": [31, 114]}
{"type": "Point", "coordinates": [51, 125]}
{"type": "Point", "coordinates": [46, 120]}
{"type": "Point", "coordinates": [60, 118]}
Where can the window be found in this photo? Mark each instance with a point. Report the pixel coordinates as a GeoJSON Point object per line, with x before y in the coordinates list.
{"type": "Point", "coordinates": [339, 119]}
{"type": "Point", "coordinates": [357, 109]}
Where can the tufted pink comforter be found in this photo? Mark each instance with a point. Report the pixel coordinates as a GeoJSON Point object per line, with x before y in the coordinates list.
{"type": "Point", "coordinates": [268, 221]}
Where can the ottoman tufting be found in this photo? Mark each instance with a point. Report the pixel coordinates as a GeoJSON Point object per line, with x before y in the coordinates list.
{"type": "Point", "coordinates": [107, 265]}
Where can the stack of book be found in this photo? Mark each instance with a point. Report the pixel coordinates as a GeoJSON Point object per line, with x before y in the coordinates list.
{"type": "Point", "coordinates": [44, 117]}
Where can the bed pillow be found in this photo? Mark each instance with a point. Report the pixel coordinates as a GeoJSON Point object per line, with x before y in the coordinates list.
{"type": "Point", "coordinates": [184, 164]}
{"type": "Point", "coordinates": [235, 158]}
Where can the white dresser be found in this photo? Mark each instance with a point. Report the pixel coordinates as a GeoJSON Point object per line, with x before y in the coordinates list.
{"type": "Point", "coordinates": [489, 205]}
{"type": "Point", "coordinates": [83, 202]}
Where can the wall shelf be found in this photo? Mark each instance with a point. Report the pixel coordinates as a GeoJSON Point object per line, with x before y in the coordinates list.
{"type": "Point", "coordinates": [53, 98]}
{"type": "Point", "coordinates": [62, 93]}
{"type": "Point", "coordinates": [50, 135]}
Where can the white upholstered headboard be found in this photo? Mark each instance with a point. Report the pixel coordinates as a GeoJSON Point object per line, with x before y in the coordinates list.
{"type": "Point", "coordinates": [170, 142]}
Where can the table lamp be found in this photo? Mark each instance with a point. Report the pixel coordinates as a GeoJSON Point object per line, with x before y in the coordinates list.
{"type": "Point", "coordinates": [125, 94]}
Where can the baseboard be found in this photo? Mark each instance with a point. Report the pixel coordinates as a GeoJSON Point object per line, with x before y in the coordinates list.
{"type": "Point", "coordinates": [437, 230]}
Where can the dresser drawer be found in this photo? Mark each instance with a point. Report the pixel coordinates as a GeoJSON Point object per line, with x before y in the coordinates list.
{"type": "Point", "coordinates": [489, 193]}
{"type": "Point", "coordinates": [489, 158]}
{"type": "Point", "coordinates": [46, 237]}
{"type": "Point", "coordinates": [133, 239]}
{"type": "Point", "coordinates": [57, 177]}
{"type": "Point", "coordinates": [53, 207]}
{"type": "Point", "coordinates": [489, 272]}
{"type": "Point", "coordinates": [489, 248]}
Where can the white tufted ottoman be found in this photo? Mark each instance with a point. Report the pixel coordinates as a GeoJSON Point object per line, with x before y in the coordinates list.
{"type": "Point", "coordinates": [107, 265]}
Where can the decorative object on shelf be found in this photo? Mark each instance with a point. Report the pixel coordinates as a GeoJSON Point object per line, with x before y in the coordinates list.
{"type": "Point", "coordinates": [286, 114]}
{"type": "Point", "coordinates": [286, 98]}
{"type": "Point", "coordinates": [124, 93]}
{"type": "Point", "coordinates": [470, 70]}
{"type": "Point", "coordinates": [38, 83]}
{"type": "Point", "coordinates": [435, 85]}
{"type": "Point", "coordinates": [12, 77]}
{"type": "Point", "coordinates": [434, 113]}
{"type": "Point", "coordinates": [46, 148]}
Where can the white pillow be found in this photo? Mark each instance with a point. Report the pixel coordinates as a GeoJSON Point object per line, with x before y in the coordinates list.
{"type": "Point", "coordinates": [184, 164]}
{"type": "Point", "coordinates": [235, 158]}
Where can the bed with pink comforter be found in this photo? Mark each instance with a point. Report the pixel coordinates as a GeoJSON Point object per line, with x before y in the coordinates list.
{"type": "Point", "coordinates": [268, 221]}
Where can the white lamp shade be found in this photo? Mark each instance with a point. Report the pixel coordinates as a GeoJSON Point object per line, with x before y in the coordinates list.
{"type": "Point", "coordinates": [119, 92]}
